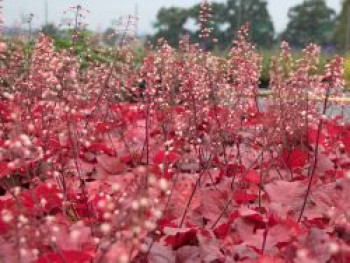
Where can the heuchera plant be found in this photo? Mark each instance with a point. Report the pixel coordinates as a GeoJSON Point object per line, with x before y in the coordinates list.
{"type": "Point", "coordinates": [177, 160]}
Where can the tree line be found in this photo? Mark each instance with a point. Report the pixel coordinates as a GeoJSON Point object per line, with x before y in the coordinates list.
{"type": "Point", "coordinates": [309, 21]}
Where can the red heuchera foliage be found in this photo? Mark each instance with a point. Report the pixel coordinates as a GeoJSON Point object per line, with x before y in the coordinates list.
{"type": "Point", "coordinates": [65, 256]}
{"type": "Point", "coordinates": [177, 160]}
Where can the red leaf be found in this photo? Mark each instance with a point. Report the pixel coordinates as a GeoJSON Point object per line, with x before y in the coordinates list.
{"type": "Point", "coordinates": [161, 253]}
{"type": "Point", "coordinates": [45, 197]}
{"type": "Point", "coordinates": [101, 148]}
{"type": "Point", "coordinates": [252, 177]}
{"type": "Point", "coordinates": [269, 259]}
{"type": "Point", "coordinates": [286, 196]}
{"type": "Point", "coordinates": [6, 205]}
{"type": "Point", "coordinates": [111, 165]}
{"type": "Point", "coordinates": [295, 159]}
{"type": "Point", "coordinates": [165, 172]}
{"type": "Point", "coordinates": [276, 235]}
{"type": "Point", "coordinates": [98, 205]}
{"type": "Point", "coordinates": [222, 230]}
{"type": "Point", "coordinates": [102, 127]}
{"type": "Point", "coordinates": [231, 169]}
{"type": "Point", "coordinates": [53, 143]}
{"type": "Point", "coordinates": [166, 157]}
{"type": "Point", "coordinates": [130, 112]}
{"type": "Point", "coordinates": [179, 109]}
{"type": "Point", "coordinates": [346, 140]}
{"type": "Point", "coordinates": [127, 159]}
{"type": "Point", "coordinates": [243, 197]}
{"type": "Point", "coordinates": [250, 214]}
{"type": "Point", "coordinates": [313, 136]}
{"type": "Point", "coordinates": [131, 159]}
{"type": "Point", "coordinates": [70, 256]}
{"type": "Point", "coordinates": [166, 222]}
{"type": "Point", "coordinates": [183, 239]}
{"type": "Point", "coordinates": [4, 171]}
{"type": "Point", "coordinates": [4, 112]}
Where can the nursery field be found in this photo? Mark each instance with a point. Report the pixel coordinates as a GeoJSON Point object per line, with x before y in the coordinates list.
{"type": "Point", "coordinates": [175, 159]}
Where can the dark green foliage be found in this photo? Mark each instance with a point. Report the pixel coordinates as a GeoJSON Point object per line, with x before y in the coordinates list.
{"type": "Point", "coordinates": [310, 22]}
{"type": "Point", "coordinates": [50, 30]}
{"type": "Point", "coordinates": [227, 18]}
{"type": "Point", "coordinates": [170, 24]}
{"type": "Point", "coordinates": [109, 37]}
{"type": "Point", "coordinates": [254, 12]}
{"type": "Point", "coordinates": [217, 24]}
{"type": "Point", "coordinates": [342, 34]}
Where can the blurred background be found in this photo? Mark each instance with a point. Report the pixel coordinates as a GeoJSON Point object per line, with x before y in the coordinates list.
{"type": "Point", "coordinates": [324, 22]}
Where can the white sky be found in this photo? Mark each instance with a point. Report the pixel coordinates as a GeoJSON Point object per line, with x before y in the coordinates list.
{"type": "Point", "coordinates": [103, 12]}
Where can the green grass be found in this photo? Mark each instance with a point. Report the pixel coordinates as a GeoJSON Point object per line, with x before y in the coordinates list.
{"type": "Point", "coordinates": [347, 72]}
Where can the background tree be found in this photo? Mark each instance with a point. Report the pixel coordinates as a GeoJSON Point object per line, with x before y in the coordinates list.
{"type": "Point", "coordinates": [170, 24]}
{"type": "Point", "coordinates": [217, 23]}
{"type": "Point", "coordinates": [255, 12]}
{"type": "Point", "coordinates": [50, 30]}
{"type": "Point", "coordinates": [312, 21]}
{"type": "Point", "coordinates": [109, 36]}
{"type": "Point", "coordinates": [227, 18]}
{"type": "Point", "coordinates": [342, 34]}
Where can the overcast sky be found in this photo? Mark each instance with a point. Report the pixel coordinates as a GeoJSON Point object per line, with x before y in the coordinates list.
{"type": "Point", "coordinates": [103, 12]}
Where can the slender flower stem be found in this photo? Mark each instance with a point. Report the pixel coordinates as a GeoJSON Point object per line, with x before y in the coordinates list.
{"type": "Point", "coordinates": [312, 171]}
